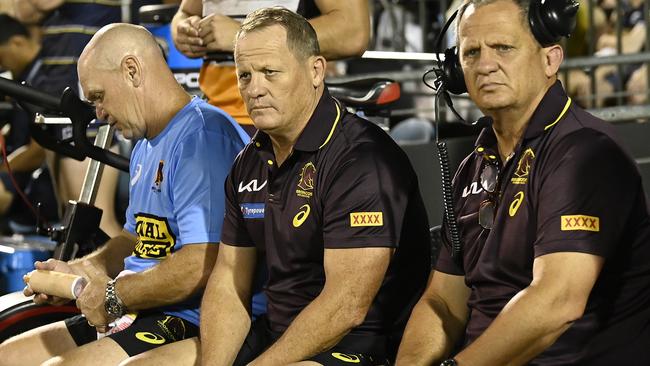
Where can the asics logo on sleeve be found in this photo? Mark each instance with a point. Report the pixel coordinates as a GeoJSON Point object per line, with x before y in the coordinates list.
{"type": "Point", "coordinates": [137, 174]}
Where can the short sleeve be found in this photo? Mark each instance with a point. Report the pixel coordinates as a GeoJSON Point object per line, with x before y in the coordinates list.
{"type": "Point", "coordinates": [234, 227]}
{"type": "Point", "coordinates": [202, 162]}
{"type": "Point", "coordinates": [586, 196]}
{"type": "Point", "coordinates": [366, 198]}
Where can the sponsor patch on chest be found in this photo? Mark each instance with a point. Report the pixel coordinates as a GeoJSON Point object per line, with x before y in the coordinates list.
{"type": "Point", "coordinates": [253, 210]}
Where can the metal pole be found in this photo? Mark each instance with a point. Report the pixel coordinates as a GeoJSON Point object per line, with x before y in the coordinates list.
{"type": "Point", "coordinates": [95, 168]}
{"type": "Point", "coordinates": [619, 46]}
{"type": "Point", "coordinates": [422, 20]}
{"type": "Point", "coordinates": [646, 9]}
{"type": "Point", "coordinates": [592, 50]}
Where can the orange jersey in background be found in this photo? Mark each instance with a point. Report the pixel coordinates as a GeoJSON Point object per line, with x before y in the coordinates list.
{"type": "Point", "coordinates": [219, 84]}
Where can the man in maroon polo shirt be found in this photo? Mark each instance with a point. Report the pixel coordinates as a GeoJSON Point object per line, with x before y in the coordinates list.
{"type": "Point", "coordinates": [553, 221]}
{"type": "Point", "coordinates": [331, 201]}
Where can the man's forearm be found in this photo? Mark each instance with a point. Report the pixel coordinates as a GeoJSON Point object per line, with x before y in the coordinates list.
{"type": "Point", "coordinates": [527, 325]}
{"type": "Point", "coordinates": [109, 258]}
{"type": "Point", "coordinates": [320, 326]}
{"type": "Point", "coordinates": [175, 279]}
{"type": "Point", "coordinates": [223, 335]}
{"type": "Point", "coordinates": [344, 30]}
{"type": "Point", "coordinates": [26, 158]}
{"type": "Point", "coordinates": [430, 334]}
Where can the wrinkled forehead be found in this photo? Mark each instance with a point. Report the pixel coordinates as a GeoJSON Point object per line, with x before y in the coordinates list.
{"type": "Point", "coordinates": [502, 18]}
{"type": "Point", "coordinates": [94, 81]}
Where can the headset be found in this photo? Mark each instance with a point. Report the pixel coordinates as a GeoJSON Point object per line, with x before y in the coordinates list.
{"type": "Point", "coordinates": [549, 21]}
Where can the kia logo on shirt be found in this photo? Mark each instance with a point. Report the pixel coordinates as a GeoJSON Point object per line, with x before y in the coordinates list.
{"type": "Point", "coordinates": [472, 189]}
{"type": "Point", "coordinates": [251, 186]}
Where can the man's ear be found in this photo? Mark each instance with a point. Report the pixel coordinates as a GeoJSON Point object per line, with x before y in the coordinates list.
{"type": "Point", "coordinates": [554, 55]}
{"type": "Point", "coordinates": [132, 70]}
{"type": "Point", "coordinates": [317, 68]}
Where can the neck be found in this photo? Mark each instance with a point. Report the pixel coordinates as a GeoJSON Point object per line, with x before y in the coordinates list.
{"type": "Point", "coordinates": [283, 139]}
{"type": "Point", "coordinates": [177, 99]}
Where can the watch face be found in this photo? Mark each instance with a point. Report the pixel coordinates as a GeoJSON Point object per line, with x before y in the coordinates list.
{"type": "Point", "coordinates": [449, 362]}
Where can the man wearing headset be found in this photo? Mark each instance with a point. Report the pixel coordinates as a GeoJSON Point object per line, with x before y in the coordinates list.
{"type": "Point", "coordinates": [554, 266]}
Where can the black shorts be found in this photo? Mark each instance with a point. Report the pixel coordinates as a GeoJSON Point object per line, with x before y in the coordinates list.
{"type": "Point", "coordinates": [148, 331]}
{"type": "Point", "coordinates": [260, 337]}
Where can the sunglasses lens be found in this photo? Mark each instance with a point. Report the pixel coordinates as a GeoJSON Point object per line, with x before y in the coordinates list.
{"type": "Point", "coordinates": [486, 214]}
{"type": "Point", "coordinates": [489, 176]}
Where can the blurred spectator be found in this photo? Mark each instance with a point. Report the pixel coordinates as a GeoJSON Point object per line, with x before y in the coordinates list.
{"type": "Point", "coordinates": [66, 27]}
{"type": "Point", "coordinates": [608, 79]}
{"type": "Point", "coordinates": [18, 53]}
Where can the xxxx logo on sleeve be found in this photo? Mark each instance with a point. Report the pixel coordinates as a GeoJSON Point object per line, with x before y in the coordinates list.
{"type": "Point", "coordinates": [155, 238]}
{"type": "Point", "coordinates": [580, 222]}
{"type": "Point", "coordinates": [366, 219]}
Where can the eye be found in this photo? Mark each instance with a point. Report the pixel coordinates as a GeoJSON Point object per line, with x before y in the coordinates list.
{"type": "Point", "coordinates": [269, 72]}
{"type": "Point", "coordinates": [95, 98]}
{"type": "Point", "coordinates": [244, 75]}
{"type": "Point", "coordinates": [472, 52]}
{"type": "Point", "coordinates": [503, 48]}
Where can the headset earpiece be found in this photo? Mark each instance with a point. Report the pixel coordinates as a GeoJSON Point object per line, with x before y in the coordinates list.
{"type": "Point", "coordinates": [549, 20]}
{"type": "Point", "coordinates": [453, 77]}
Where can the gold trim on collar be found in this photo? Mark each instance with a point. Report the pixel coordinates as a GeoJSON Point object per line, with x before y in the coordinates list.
{"type": "Point", "coordinates": [566, 108]}
{"type": "Point", "coordinates": [336, 121]}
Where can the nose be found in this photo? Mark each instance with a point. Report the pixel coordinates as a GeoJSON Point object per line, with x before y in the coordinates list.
{"type": "Point", "coordinates": [256, 87]}
{"type": "Point", "coordinates": [487, 62]}
{"type": "Point", "coordinates": [100, 112]}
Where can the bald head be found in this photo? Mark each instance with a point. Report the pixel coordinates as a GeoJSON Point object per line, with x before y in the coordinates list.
{"type": "Point", "coordinates": [122, 71]}
{"type": "Point", "coordinates": [112, 43]}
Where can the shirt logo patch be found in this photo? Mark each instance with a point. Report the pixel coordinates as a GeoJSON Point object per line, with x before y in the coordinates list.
{"type": "Point", "coordinates": [514, 206]}
{"type": "Point", "coordinates": [155, 238]}
{"type": "Point", "coordinates": [159, 177]}
{"type": "Point", "coordinates": [346, 358]}
{"type": "Point", "coordinates": [472, 189]}
{"type": "Point", "coordinates": [251, 186]}
{"type": "Point", "coordinates": [306, 182]}
{"type": "Point", "coordinates": [252, 210]}
{"type": "Point", "coordinates": [523, 167]}
{"type": "Point", "coordinates": [366, 219]}
{"type": "Point", "coordinates": [580, 222]}
{"type": "Point", "coordinates": [301, 216]}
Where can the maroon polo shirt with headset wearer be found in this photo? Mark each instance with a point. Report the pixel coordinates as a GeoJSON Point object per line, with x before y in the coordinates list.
{"type": "Point", "coordinates": [569, 187]}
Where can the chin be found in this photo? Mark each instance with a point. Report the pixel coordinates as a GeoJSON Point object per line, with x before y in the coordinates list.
{"type": "Point", "coordinates": [494, 102]}
{"type": "Point", "coordinates": [264, 123]}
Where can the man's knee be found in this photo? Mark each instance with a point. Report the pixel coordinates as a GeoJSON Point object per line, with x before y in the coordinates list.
{"type": "Point", "coordinates": [36, 345]}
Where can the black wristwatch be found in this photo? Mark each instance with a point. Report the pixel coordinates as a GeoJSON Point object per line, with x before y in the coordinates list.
{"type": "Point", "coordinates": [113, 305]}
{"type": "Point", "coordinates": [449, 362]}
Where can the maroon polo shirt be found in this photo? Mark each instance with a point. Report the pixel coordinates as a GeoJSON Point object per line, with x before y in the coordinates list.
{"type": "Point", "coordinates": [570, 187]}
{"type": "Point", "coordinates": [345, 185]}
